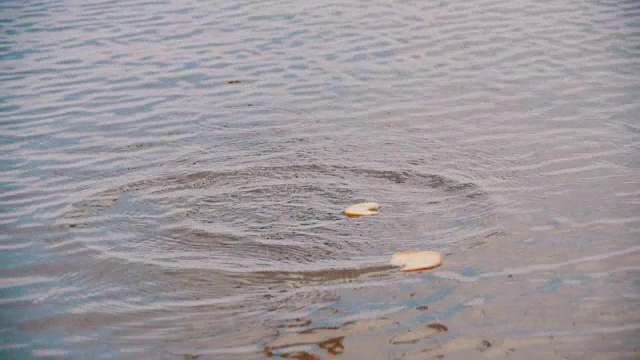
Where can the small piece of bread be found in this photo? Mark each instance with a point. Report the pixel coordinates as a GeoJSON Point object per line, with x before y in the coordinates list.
{"type": "Point", "coordinates": [416, 260]}
{"type": "Point", "coordinates": [362, 209]}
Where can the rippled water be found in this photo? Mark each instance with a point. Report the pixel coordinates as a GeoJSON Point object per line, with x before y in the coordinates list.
{"type": "Point", "coordinates": [173, 175]}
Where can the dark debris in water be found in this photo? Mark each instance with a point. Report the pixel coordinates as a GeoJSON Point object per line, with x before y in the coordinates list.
{"type": "Point", "coordinates": [333, 346]}
{"type": "Point", "coordinates": [484, 345]}
{"type": "Point", "coordinates": [438, 326]}
{"type": "Point", "coordinates": [294, 323]}
{"type": "Point", "coordinates": [330, 339]}
{"type": "Point", "coordinates": [418, 333]}
{"type": "Point", "coordinates": [298, 355]}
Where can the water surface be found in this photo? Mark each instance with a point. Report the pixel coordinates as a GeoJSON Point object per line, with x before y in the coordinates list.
{"type": "Point", "coordinates": [173, 175]}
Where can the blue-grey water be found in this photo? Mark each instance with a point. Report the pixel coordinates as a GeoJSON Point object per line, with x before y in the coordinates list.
{"type": "Point", "coordinates": [173, 175]}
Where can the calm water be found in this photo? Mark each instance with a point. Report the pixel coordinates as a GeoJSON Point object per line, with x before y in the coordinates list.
{"type": "Point", "coordinates": [173, 175]}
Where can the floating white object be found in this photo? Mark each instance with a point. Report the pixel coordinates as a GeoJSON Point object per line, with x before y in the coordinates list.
{"type": "Point", "coordinates": [416, 260]}
{"type": "Point", "coordinates": [362, 209]}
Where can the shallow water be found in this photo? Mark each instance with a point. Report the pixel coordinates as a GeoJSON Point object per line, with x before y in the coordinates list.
{"type": "Point", "coordinates": [173, 175]}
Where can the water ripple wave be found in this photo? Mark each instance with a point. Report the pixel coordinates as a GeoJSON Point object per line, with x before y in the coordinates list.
{"type": "Point", "coordinates": [173, 173]}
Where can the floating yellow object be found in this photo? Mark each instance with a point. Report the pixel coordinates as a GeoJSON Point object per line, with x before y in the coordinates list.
{"type": "Point", "coordinates": [362, 209]}
{"type": "Point", "coordinates": [416, 260]}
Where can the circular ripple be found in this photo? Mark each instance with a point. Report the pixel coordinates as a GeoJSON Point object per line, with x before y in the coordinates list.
{"type": "Point", "coordinates": [284, 218]}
